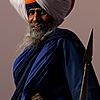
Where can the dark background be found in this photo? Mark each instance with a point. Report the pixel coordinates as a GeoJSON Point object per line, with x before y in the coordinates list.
{"type": "Point", "coordinates": [85, 15]}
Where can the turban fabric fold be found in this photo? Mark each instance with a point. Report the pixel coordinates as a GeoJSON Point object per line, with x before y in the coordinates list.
{"type": "Point", "coordinates": [29, 1]}
{"type": "Point", "coordinates": [58, 9]}
{"type": "Point", "coordinates": [32, 5]}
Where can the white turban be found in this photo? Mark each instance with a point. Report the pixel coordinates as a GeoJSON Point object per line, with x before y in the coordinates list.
{"type": "Point", "coordinates": [58, 9]}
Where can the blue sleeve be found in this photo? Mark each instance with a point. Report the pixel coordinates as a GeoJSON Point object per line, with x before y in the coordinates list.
{"type": "Point", "coordinates": [73, 68]}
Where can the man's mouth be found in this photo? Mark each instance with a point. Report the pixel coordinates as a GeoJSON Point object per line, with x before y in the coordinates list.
{"type": "Point", "coordinates": [35, 26]}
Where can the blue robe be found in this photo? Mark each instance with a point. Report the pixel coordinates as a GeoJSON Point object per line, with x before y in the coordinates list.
{"type": "Point", "coordinates": [54, 69]}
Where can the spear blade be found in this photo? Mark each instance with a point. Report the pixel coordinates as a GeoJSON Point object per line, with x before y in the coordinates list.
{"type": "Point", "coordinates": [89, 51]}
{"type": "Point", "coordinates": [87, 60]}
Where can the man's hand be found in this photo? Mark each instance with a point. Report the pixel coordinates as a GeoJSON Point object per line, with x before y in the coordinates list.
{"type": "Point", "coordinates": [37, 97]}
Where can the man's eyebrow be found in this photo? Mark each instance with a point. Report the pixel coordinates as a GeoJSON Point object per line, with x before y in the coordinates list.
{"type": "Point", "coordinates": [34, 9]}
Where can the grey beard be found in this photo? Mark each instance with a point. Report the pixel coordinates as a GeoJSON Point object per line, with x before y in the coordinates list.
{"type": "Point", "coordinates": [38, 33]}
{"type": "Point", "coordinates": [35, 35]}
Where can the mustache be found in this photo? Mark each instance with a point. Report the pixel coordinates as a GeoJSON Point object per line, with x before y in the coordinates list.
{"type": "Point", "coordinates": [39, 23]}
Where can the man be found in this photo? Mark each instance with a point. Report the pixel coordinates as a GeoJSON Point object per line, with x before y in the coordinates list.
{"type": "Point", "coordinates": [51, 66]}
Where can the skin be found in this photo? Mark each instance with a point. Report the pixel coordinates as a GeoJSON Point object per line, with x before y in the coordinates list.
{"type": "Point", "coordinates": [39, 15]}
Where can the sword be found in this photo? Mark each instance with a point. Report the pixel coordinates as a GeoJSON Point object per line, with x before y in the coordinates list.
{"type": "Point", "coordinates": [87, 60]}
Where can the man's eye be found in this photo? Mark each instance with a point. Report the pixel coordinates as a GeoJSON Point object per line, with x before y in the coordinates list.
{"type": "Point", "coordinates": [31, 12]}
{"type": "Point", "coordinates": [43, 12]}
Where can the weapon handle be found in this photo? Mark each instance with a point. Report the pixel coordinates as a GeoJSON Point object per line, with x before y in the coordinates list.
{"type": "Point", "coordinates": [83, 93]}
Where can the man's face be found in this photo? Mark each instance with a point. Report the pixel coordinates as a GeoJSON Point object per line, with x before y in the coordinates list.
{"type": "Point", "coordinates": [38, 15]}
{"type": "Point", "coordinates": [40, 26]}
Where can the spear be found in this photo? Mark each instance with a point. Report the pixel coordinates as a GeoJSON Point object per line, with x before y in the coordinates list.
{"type": "Point", "coordinates": [87, 60]}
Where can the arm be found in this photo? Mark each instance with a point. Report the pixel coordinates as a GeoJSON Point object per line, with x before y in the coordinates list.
{"type": "Point", "coordinates": [73, 68]}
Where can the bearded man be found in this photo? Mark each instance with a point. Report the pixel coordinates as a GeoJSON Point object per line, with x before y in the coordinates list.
{"type": "Point", "coordinates": [51, 66]}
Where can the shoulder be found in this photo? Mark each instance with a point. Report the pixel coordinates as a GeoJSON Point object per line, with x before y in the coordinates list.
{"type": "Point", "coordinates": [65, 31]}
{"type": "Point", "coordinates": [65, 34]}
{"type": "Point", "coordinates": [69, 38]}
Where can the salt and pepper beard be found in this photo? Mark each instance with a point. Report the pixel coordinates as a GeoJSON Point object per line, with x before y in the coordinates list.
{"type": "Point", "coordinates": [36, 34]}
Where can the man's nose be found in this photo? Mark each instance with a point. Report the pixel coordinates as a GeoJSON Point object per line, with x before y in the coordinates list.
{"type": "Point", "coordinates": [35, 17]}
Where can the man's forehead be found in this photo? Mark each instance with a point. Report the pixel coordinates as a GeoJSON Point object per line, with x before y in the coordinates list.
{"type": "Point", "coordinates": [35, 8]}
